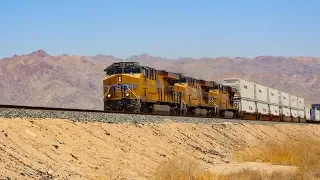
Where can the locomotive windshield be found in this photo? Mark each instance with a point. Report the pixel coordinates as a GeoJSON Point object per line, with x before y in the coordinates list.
{"type": "Point", "coordinates": [123, 67]}
{"type": "Point", "coordinates": [114, 71]}
{"type": "Point", "coordinates": [182, 80]}
{"type": "Point", "coordinates": [131, 70]}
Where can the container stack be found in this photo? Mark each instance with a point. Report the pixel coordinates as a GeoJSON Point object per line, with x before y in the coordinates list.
{"type": "Point", "coordinates": [274, 101]}
{"type": "Point", "coordinates": [284, 99]}
{"type": "Point", "coordinates": [246, 103]}
{"type": "Point", "coordinates": [261, 97]}
{"type": "Point", "coordinates": [301, 109]}
{"type": "Point", "coordinates": [270, 102]}
{"type": "Point", "coordinates": [294, 107]}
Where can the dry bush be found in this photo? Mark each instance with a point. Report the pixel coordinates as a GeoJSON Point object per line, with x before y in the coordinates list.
{"type": "Point", "coordinates": [186, 169]}
{"type": "Point", "coordinates": [181, 168]}
{"type": "Point", "coordinates": [248, 174]}
{"type": "Point", "coordinates": [303, 153]}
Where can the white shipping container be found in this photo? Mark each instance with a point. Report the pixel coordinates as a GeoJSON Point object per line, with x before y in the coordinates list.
{"type": "Point", "coordinates": [273, 96]}
{"type": "Point", "coordinates": [285, 112]}
{"type": "Point", "coordinates": [300, 103]}
{"type": "Point", "coordinates": [317, 115]}
{"type": "Point", "coordinates": [248, 106]}
{"type": "Point", "coordinates": [245, 88]}
{"type": "Point", "coordinates": [301, 113]}
{"type": "Point", "coordinates": [294, 113]}
{"type": "Point", "coordinates": [307, 113]}
{"type": "Point", "coordinates": [293, 101]}
{"type": "Point", "coordinates": [274, 110]}
{"type": "Point", "coordinates": [261, 93]}
{"type": "Point", "coordinates": [284, 99]}
{"type": "Point", "coordinates": [263, 108]}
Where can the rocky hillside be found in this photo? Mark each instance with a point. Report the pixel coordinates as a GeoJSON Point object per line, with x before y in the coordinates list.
{"type": "Point", "coordinates": [76, 81]}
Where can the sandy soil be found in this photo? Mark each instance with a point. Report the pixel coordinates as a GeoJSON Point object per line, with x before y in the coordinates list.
{"type": "Point", "coordinates": [31, 148]}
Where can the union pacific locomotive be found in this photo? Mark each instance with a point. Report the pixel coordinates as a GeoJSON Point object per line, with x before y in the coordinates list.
{"type": "Point", "coordinates": [132, 87]}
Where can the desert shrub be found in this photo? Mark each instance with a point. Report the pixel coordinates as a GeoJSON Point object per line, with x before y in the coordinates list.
{"type": "Point", "coordinates": [248, 174]}
{"type": "Point", "coordinates": [186, 169]}
{"type": "Point", "coordinates": [181, 168]}
{"type": "Point", "coordinates": [302, 153]}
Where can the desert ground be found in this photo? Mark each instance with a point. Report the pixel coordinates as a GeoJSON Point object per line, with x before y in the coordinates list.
{"type": "Point", "coordinates": [63, 149]}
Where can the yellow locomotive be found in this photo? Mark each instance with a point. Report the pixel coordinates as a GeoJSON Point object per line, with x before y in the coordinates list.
{"type": "Point", "coordinates": [129, 86]}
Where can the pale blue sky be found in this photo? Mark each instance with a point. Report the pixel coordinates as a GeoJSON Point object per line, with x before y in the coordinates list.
{"type": "Point", "coordinates": [161, 28]}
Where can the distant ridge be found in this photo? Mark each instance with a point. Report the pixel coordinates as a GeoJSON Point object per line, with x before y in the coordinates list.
{"type": "Point", "coordinates": [76, 81]}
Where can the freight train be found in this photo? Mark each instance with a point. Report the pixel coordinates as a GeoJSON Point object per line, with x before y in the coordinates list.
{"type": "Point", "coordinates": [132, 87]}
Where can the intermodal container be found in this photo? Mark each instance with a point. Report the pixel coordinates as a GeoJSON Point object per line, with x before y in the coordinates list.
{"type": "Point", "coordinates": [274, 110]}
{"type": "Point", "coordinates": [317, 115]}
{"type": "Point", "coordinates": [261, 93]}
{"type": "Point", "coordinates": [284, 99]}
{"type": "Point", "coordinates": [313, 114]}
{"type": "Point", "coordinates": [307, 113]}
{"type": "Point", "coordinates": [273, 96]}
{"type": "Point", "coordinates": [263, 108]}
{"type": "Point", "coordinates": [315, 106]}
{"type": "Point", "coordinates": [285, 111]}
{"type": "Point", "coordinates": [300, 103]}
{"type": "Point", "coordinates": [294, 113]}
{"type": "Point", "coordinates": [293, 101]}
{"type": "Point", "coordinates": [248, 106]}
{"type": "Point", "coordinates": [301, 113]}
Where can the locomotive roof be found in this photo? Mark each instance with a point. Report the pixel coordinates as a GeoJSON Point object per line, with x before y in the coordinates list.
{"type": "Point", "coordinates": [206, 83]}
{"type": "Point", "coordinates": [123, 64]}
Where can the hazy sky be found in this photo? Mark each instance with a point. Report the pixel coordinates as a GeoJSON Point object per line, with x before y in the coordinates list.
{"type": "Point", "coordinates": [161, 28]}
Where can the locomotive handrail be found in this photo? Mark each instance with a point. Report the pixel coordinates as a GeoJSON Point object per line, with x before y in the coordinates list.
{"type": "Point", "coordinates": [137, 97]}
{"type": "Point", "coordinates": [106, 93]}
{"type": "Point", "coordinates": [134, 93]}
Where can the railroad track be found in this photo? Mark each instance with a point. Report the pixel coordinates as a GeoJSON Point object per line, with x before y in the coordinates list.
{"type": "Point", "coordinates": [85, 111]}
{"type": "Point", "coordinates": [89, 110]}
{"type": "Point", "coordinates": [96, 111]}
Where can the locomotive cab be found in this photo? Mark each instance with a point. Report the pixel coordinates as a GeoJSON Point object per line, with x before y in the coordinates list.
{"type": "Point", "coordinates": [119, 84]}
{"type": "Point", "coordinates": [127, 85]}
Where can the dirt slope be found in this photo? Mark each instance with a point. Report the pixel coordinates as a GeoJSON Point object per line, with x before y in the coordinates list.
{"type": "Point", "coordinates": [31, 148]}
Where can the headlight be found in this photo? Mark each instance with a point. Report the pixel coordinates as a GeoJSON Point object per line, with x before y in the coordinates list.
{"type": "Point", "coordinates": [127, 94]}
{"type": "Point", "coordinates": [109, 95]}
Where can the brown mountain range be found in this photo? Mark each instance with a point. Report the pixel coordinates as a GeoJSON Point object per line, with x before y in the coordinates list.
{"type": "Point", "coordinates": [39, 79]}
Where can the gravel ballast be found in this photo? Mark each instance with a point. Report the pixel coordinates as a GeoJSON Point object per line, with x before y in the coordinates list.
{"type": "Point", "coordinates": [112, 117]}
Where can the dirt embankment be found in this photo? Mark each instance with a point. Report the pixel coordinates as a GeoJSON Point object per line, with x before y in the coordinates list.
{"type": "Point", "coordinates": [33, 148]}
